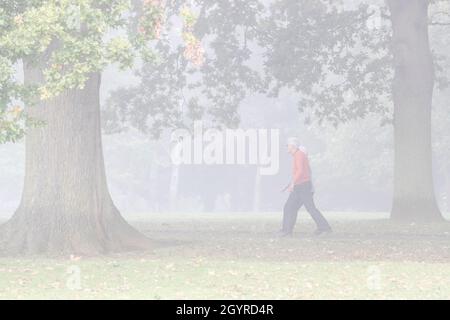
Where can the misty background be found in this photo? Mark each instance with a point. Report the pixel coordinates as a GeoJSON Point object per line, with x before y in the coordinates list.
{"type": "Point", "coordinates": [352, 164]}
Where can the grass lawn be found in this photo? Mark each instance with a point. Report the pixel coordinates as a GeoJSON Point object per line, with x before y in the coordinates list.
{"type": "Point", "coordinates": [236, 256]}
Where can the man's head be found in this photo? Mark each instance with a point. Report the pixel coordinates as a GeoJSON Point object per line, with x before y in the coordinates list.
{"type": "Point", "coordinates": [292, 145]}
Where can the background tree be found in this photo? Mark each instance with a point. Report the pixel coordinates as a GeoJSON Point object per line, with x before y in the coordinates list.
{"type": "Point", "coordinates": [323, 55]}
{"type": "Point", "coordinates": [209, 85]}
{"type": "Point", "coordinates": [363, 57]}
{"type": "Point", "coordinates": [193, 81]}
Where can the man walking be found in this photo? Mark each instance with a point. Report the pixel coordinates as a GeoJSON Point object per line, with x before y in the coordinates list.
{"type": "Point", "coordinates": [301, 193]}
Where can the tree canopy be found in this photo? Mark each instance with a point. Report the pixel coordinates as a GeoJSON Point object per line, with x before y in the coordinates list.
{"type": "Point", "coordinates": [73, 39]}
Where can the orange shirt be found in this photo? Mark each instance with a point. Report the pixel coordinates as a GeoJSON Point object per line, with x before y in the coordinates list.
{"type": "Point", "coordinates": [301, 171]}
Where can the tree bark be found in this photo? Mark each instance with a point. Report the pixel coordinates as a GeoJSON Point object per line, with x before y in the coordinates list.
{"type": "Point", "coordinates": [414, 196]}
{"type": "Point", "coordinates": [66, 207]}
{"type": "Point", "coordinates": [447, 189]}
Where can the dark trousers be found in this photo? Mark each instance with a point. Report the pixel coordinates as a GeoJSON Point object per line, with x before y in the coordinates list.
{"type": "Point", "coordinates": [302, 195]}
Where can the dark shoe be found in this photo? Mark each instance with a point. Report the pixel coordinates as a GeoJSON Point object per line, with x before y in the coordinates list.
{"type": "Point", "coordinates": [319, 232]}
{"type": "Point", "coordinates": [284, 234]}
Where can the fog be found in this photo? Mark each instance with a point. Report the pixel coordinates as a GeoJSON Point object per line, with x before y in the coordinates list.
{"type": "Point", "coordinates": [200, 128]}
{"type": "Point", "coordinates": [352, 170]}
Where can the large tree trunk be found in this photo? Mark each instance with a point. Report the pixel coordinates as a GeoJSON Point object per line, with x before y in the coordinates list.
{"type": "Point", "coordinates": [447, 189]}
{"type": "Point", "coordinates": [414, 197]}
{"type": "Point", "coordinates": [66, 207]}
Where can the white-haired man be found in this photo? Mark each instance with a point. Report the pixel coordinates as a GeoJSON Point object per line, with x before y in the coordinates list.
{"type": "Point", "coordinates": [301, 193]}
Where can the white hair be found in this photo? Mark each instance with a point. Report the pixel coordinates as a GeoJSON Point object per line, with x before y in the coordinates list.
{"type": "Point", "coordinates": [293, 141]}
